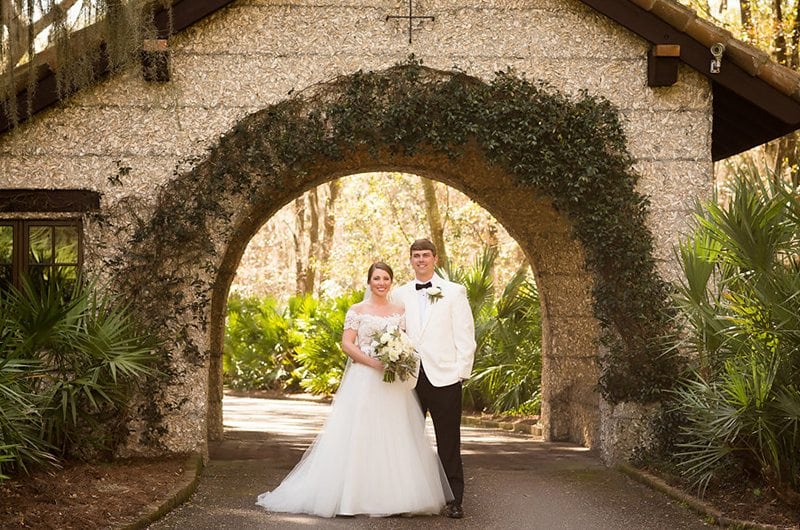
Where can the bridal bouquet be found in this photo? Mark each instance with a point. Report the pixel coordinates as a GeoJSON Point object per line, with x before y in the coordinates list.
{"type": "Point", "coordinates": [394, 349]}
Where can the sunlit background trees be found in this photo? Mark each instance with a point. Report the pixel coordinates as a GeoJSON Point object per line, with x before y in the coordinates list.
{"type": "Point", "coordinates": [308, 264]}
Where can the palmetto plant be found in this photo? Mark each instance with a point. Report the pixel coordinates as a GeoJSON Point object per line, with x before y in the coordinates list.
{"type": "Point", "coordinates": [320, 353]}
{"type": "Point", "coordinates": [21, 442]}
{"type": "Point", "coordinates": [740, 304]}
{"type": "Point", "coordinates": [70, 358]}
{"type": "Point", "coordinates": [507, 371]}
{"type": "Point", "coordinates": [259, 345]}
{"type": "Point", "coordinates": [286, 348]}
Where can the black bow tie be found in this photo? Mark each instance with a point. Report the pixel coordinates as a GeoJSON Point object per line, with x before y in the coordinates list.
{"type": "Point", "coordinates": [425, 285]}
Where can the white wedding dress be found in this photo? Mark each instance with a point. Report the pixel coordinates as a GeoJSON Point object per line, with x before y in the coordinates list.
{"type": "Point", "coordinates": [372, 456]}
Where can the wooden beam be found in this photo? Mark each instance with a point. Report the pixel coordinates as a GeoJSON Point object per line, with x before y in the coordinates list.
{"type": "Point", "coordinates": [662, 64]}
{"type": "Point", "coordinates": [739, 125]}
{"type": "Point", "coordinates": [49, 201]}
{"type": "Point", "coordinates": [184, 14]}
{"type": "Point", "coordinates": [155, 60]}
{"type": "Point", "coordinates": [667, 50]}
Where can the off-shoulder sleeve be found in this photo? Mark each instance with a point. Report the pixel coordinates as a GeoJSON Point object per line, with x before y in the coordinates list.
{"type": "Point", "coordinates": [351, 319]}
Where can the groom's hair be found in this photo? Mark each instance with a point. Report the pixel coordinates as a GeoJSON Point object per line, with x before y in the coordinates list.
{"type": "Point", "coordinates": [423, 244]}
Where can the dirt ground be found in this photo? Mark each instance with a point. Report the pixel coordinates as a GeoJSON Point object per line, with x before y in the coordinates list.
{"type": "Point", "coordinates": [765, 508]}
{"type": "Point", "coordinates": [108, 495]}
{"type": "Point", "coordinates": [747, 502]}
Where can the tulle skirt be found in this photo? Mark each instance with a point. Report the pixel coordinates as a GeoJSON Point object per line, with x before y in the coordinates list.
{"type": "Point", "coordinates": [372, 456]}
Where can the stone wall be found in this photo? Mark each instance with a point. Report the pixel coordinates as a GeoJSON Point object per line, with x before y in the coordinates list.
{"type": "Point", "coordinates": [126, 138]}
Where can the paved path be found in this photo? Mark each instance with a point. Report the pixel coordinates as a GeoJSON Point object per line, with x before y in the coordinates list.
{"type": "Point", "coordinates": [512, 481]}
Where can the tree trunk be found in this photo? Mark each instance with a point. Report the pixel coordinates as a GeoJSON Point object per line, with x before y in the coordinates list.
{"type": "Point", "coordinates": [493, 244]}
{"type": "Point", "coordinates": [785, 154]}
{"type": "Point", "coordinates": [328, 227]}
{"type": "Point", "coordinates": [522, 259]}
{"type": "Point", "coordinates": [746, 12]}
{"type": "Point", "coordinates": [434, 219]}
{"type": "Point", "coordinates": [297, 237]}
{"type": "Point", "coordinates": [779, 39]}
{"type": "Point", "coordinates": [313, 241]}
{"type": "Point", "coordinates": [794, 61]}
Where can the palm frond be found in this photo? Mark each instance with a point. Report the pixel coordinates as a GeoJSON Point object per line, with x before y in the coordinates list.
{"type": "Point", "coordinates": [740, 308]}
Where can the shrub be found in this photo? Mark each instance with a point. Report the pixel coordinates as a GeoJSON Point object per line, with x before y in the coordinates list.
{"type": "Point", "coordinates": [320, 355]}
{"type": "Point", "coordinates": [72, 356]}
{"type": "Point", "coordinates": [259, 345]}
{"type": "Point", "coordinates": [21, 442]}
{"type": "Point", "coordinates": [740, 307]}
{"type": "Point", "coordinates": [507, 372]}
{"type": "Point", "coordinates": [287, 349]}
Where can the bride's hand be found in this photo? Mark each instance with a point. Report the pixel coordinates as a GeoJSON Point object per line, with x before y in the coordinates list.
{"type": "Point", "coordinates": [375, 363]}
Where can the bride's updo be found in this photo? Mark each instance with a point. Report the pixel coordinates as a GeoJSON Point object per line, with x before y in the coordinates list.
{"type": "Point", "coordinates": [382, 266]}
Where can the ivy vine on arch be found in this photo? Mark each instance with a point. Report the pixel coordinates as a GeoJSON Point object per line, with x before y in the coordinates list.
{"type": "Point", "coordinates": [572, 149]}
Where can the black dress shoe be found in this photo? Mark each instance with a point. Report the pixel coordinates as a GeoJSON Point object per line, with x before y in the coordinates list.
{"type": "Point", "coordinates": [454, 510]}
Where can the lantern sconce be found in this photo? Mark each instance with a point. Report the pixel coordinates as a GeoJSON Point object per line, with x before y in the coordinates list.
{"type": "Point", "coordinates": [717, 49]}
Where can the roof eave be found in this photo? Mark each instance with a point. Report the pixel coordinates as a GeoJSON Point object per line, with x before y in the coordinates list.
{"type": "Point", "coordinates": [766, 112]}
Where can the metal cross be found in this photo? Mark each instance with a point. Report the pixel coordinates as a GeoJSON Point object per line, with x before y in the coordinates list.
{"type": "Point", "coordinates": [410, 16]}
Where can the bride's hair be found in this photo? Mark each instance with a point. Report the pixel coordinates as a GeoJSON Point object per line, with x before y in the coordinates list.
{"type": "Point", "coordinates": [382, 266]}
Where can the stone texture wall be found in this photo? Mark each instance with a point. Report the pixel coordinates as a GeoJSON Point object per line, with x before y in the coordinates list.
{"type": "Point", "coordinates": [125, 138]}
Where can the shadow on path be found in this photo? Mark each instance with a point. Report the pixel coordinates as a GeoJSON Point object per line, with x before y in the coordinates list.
{"type": "Point", "coordinates": [512, 480]}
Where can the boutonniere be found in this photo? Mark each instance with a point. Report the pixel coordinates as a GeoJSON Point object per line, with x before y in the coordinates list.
{"type": "Point", "coordinates": [434, 293]}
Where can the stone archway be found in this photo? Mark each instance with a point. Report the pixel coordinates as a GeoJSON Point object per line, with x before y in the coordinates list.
{"type": "Point", "coordinates": [183, 258]}
{"type": "Point", "coordinates": [570, 402]}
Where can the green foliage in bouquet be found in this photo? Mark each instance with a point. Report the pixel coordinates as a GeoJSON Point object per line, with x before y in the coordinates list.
{"type": "Point", "coordinates": [739, 307]}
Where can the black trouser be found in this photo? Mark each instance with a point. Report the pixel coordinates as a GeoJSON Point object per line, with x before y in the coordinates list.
{"type": "Point", "coordinates": [444, 405]}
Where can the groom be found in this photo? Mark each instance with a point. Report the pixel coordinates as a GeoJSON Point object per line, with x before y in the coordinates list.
{"type": "Point", "coordinates": [439, 322]}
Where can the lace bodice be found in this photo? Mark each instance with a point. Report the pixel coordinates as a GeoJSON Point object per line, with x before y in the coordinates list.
{"type": "Point", "coordinates": [368, 325]}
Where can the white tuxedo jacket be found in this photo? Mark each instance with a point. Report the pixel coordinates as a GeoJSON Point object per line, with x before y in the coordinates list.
{"type": "Point", "coordinates": [445, 340]}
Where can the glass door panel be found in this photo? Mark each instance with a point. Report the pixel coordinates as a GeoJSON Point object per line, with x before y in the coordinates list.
{"type": "Point", "coordinates": [6, 244]}
{"type": "Point", "coordinates": [66, 244]}
{"type": "Point", "coordinates": [40, 244]}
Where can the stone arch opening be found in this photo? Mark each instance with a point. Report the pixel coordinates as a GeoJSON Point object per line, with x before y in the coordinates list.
{"type": "Point", "coordinates": [555, 172]}
{"type": "Point", "coordinates": [570, 402]}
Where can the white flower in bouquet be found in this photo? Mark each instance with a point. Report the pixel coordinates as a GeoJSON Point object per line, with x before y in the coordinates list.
{"type": "Point", "coordinates": [395, 350]}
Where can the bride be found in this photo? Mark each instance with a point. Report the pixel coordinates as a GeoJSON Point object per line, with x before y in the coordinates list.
{"type": "Point", "coordinates": [372, 456]}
